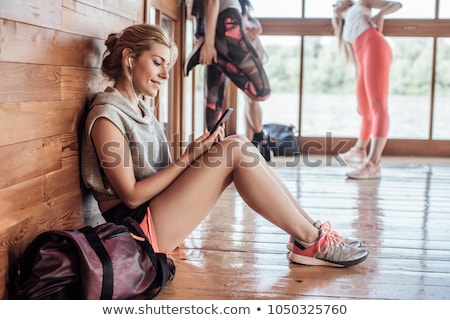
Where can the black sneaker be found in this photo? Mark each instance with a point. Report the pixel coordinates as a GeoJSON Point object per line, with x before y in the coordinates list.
{"type": "Point", "coordinates": [261, 142]}
{"type": "Point", "coordinates": [264, 149]}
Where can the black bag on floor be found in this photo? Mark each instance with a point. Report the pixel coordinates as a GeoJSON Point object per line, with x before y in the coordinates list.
{"type": "Point", "coordinates": [110, 261]}
{"type": "Point", "coordinates": [283, 139]}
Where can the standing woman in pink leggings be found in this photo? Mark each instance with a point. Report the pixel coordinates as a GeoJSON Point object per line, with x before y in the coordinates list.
{"type": "Point", "coordinates": [360, 33]}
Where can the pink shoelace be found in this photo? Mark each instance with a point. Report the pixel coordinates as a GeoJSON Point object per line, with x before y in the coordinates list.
{"type": "Point", "coordinates": [328, 238]}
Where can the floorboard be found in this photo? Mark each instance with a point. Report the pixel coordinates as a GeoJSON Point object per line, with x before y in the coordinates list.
{"type": "Point", "coordinates": [403, 218]}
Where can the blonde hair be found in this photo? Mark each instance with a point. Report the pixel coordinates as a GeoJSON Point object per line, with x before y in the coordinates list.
{"type": "Point", "coordinates": [338, 23]}
{"type": "Point", "coordinates": [138, 38]}
{"type": "Point", "coordinates": [338, 26]}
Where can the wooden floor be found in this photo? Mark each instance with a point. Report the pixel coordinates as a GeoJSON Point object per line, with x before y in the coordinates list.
{"type": "Point", "coordinates": [403, 218]}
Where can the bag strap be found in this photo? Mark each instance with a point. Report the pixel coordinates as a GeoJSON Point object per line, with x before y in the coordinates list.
{"type": "Point", "coordinates": [159, 260]}
{"type": "Point", "coordinates": [108, 271]}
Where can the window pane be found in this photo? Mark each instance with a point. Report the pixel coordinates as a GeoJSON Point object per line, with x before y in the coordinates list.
{"type": "Point", "coordinates": [415, 9]}
{"type": "Point", "coordinates": [199, 109]}
{"type": "Point", "coordinates": [441, 119]}
{"type": "Point", "coordinates": [410, 87]}
{"type": "Point", "coordinates": [166, 90]}
{"type": "Point", "coordinates": [444, 9]}
{"type": "Point", "coordinates": [329, 99]}
{"type": "Point", "coordinates": [319, 9]}
{"type": "Point", "coordinates": [328, 102]}
{"type": "Point", "coordinates": [280, 9]}
{"type": "Point", "coordinates": [282, 66]}
{"type": "Point", "coordinates": [193, 91]}
{"type": "Point", "coordinates": [188, 87]}
{"type": "Point", "coordinates": [412, 9]}
{"type": "Point", "coordinates": [152, 15]}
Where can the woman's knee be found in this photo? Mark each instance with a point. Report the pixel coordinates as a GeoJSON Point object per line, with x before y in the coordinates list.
{"type": "Point", "coordinates": [236, 140]}
{"type": "Point", "coordinates": [230, 143]}
{"type": "Point", "coordinates": [247, 152]}
{"type": "Point", "coordinates": [379, 107]}
{"type": "Point", "coordinates": [237, 147]}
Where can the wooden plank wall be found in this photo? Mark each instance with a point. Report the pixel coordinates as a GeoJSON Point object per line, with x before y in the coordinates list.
{"type": "Point", "coordinates": [50, 55]}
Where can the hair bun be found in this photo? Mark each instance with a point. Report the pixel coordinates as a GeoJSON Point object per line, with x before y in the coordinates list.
{"type": "Point", "coordinates": [111, 41]}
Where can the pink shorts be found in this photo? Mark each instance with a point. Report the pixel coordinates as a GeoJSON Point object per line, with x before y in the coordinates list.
{"type": "Point", "coordinates": [149, 229]}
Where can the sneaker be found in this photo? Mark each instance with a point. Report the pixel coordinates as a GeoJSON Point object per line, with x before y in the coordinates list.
{"type": "Point", "coordinates": [367, 171]}
{"type": "Point", "coordinates": [261, 141]}
{"type": "Point", "coordinates": [193, 59]}
{"type": "Point", "coordinates": [258, 137]}
{"type": "Point", "coordinates": [265, 151]}
{"type": "Point", "coordinates": [354, 155]}
{"type": "Point", "coordinates": [328, 251]}
{"type": "Point", "coordinates": [348, 241]}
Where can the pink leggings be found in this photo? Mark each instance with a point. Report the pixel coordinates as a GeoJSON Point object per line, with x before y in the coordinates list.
{"type": "Point", "coordinates": [374, 56]}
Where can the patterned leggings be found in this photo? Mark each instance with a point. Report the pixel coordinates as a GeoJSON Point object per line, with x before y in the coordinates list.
{"type": "Point", "coordinates": [238, 61]}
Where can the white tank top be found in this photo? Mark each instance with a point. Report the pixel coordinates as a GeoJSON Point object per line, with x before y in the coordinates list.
{"type": "Point", "coordinates": [225, 4]}
{"type": "Point", "coordinates": [356, 22]}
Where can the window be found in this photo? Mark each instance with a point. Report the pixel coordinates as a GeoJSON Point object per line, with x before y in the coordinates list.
{"type": "Point", "coordinates": [444, 9]}
{"type": "Point", "coordinates": [151, 15]}
{"type": "Point", "coordinates": [416, 9]}
{"type": "Point", "coordinates": [277, 9]}
{"type": "Point", "coordinates": [282, 65]}
{"type": "Point", "coordinates": [313, 87]}
{"type": "Point", "coordinates": [165, 97]}
{"type": "Point", "coordinates": [442, 92]}
{"type": "Point", "coordinates": [199, 113]}
{"type": "Point", "coordinates": [319, 9]}
{"type": "Point", "coordinates": [328, 83]}
{"type": "Point", "coordinates": [410, 87]}
{"type": "Point", "coordinates": [166, 105]}
{"type": "Point", "coordinates": [189, 125]}
{"type": "Point", "coordinates": [328, 100]}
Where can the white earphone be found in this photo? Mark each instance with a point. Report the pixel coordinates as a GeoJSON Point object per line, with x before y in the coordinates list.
{"type": "Point", "coordinates": [129, 63]}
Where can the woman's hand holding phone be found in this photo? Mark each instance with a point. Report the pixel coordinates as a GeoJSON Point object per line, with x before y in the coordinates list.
{"type": "Point", "coordinates": [222, 119]}
{"type": "Point", "coordinates": [207, 140]}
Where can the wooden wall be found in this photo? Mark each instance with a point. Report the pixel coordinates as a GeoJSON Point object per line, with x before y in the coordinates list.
{"type": "Point", "coordinates": [50, 54]}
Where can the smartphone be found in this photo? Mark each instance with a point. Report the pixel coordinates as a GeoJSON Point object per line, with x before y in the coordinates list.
{"type": "Point", "coordinates": [222, 119]}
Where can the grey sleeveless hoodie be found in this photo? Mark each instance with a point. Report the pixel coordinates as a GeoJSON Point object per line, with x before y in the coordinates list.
{"type": "Point", "coordinates": [148, 144]}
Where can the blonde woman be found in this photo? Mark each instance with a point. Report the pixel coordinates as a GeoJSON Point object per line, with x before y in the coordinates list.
{"type": "Point", "coordinates": [125, 161]}
{"type": "Point", "coordinates": [360, 34]}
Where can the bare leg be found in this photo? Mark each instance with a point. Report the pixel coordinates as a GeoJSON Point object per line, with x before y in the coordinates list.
{"type": "Point", "coordinates": [361, 144]}
{"type": "Point", "coordinates": [249, 132]}
{"type": "Point", "coordinates": [376, 149]}
{"type": "Point", "coordinates": [291, 197]}
{"type": "Point", "coordinates": [185, 203]}
{"type": "Point", "coordinates": [253, 114]}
